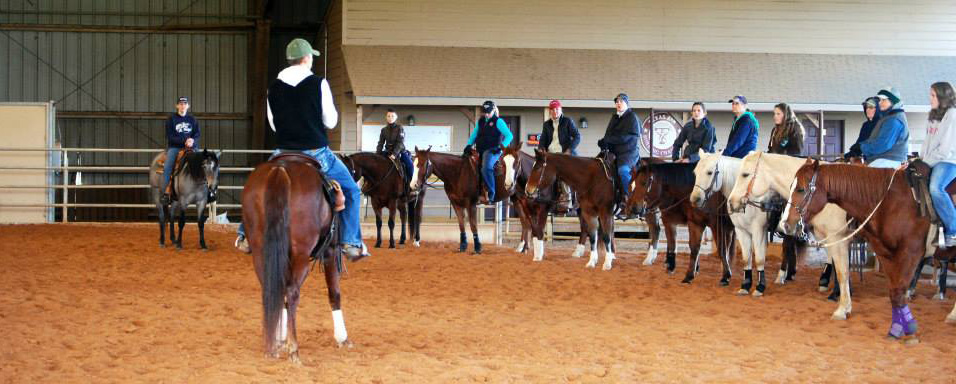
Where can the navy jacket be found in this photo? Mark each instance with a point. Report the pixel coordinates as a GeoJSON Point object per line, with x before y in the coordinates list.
{"type": "Point", "coordinates": [622, 136]}
{"type": "Point", "coordinates": [568, 135]}
{"type": "Point", "coordinates": [180, 128]}
{"type": "Point", "coordinates": [698, 138]}
{"type": "Point", "coordinates": [743, 136]}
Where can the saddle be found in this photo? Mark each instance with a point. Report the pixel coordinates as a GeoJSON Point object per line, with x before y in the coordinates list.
{"type": "Point", "coordinates": [331, 189]}
{"type": "Point", "coordinates": [177, 168]}
{"type": "Point", "coordinates": [918, 175]}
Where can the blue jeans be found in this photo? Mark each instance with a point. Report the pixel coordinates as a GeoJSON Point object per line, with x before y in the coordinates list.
{"type": "Point", "coordinates": [407, 163]}
{"type": "Point", "coordinates": [336, 170]}
{"type": "Point", "coordinates": [171, 154]}
{"type": "Point", "coordinates": [943, 174]}
{"type": "Point", "coordinates": [624, 171]}
{"type": "Point", "coordinates": [489, 159]}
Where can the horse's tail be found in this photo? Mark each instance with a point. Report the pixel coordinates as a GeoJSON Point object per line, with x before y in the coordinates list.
{"type": "Point", "coordinates": [275, 251]}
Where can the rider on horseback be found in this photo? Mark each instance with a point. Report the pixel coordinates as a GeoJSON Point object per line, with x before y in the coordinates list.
{"type": "Point", "coordinates": [939, 151]}
{"type": "Point", "coordinates": [560, 135]}
{"type": "Point", "coordinates": [872, 114]}
{"type": "Point", "coordinates": [300, 109]}
{"type": "Point", "coordinates": [490, 134]}
{"type": "Point", "coordinates": [888, 143]}
{"type": "Point", "coordinates": [743, 134]}
{"type": "Point", "coordinates": [621, 138]}
{"type": "Point", "coordinates": [182, 131]}
{"type": "Point", "coordinates": [699, 135]}
{"type": "Point", "coordinates": [391, 143]}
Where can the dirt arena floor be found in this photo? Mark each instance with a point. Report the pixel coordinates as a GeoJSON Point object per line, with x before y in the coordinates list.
{"type": "Point", "coordinates": [102, 303]}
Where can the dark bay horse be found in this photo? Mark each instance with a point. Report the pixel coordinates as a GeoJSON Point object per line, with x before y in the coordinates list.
{"type": "Point", "coordinates": [592, 181]}
{"type": "Point", "coordinates": [667, 187]}
{"type": "Point", "coordinates": [384, 186]}
{"type": "Point", "coordinates": [288, 223]}
{"type": "Point", "coordinates": [881, 201]}
{"type": "Point", "coordinates": [460, 176]}
{"type": "Point", "coordinates": [196, 182]}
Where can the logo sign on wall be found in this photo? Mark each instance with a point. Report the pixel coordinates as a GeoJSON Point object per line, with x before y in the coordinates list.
{"type": "Point", "coordinates": [666, 128]}
{"type": "Point", "coordinates": [532, 140]}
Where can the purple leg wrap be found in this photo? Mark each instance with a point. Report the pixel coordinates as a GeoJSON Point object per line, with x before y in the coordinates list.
{"type": "Point", "coordinates": [896, 328]}
{"type": "Point", "coordinates": [909, 322]}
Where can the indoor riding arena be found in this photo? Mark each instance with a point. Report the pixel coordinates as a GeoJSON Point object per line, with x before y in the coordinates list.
{"type": "Point", "coordinates": [374, 191]}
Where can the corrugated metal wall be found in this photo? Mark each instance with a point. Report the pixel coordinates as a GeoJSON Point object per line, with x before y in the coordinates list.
{"type": "Point", "coordinates": [112, 83]}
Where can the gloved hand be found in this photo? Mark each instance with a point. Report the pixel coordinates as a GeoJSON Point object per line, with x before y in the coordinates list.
{"type": "Point", "coordinates": [467, 150]}
{"type": "Point", "coordinates": [602, 144]}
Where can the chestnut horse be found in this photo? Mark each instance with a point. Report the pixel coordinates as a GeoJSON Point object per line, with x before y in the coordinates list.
{"type": "Point", "coordinates": [881, 201]}
{"type": "Point", "coordinates": [460, 175]}
{"type": "Point", "coordinates": [384, 186]}
{"type": "Point", "coordinates": [667, 187]}
{"type": "Point", "coordinates": [593, 182]}
{"type": "Point", "coordinates": [289, 222]}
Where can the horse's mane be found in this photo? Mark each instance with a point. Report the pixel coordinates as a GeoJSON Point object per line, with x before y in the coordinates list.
{"type": "Point", "coordinates": [674, 174]}
{"type": "Point", "coordinates": [863, 184]}
{"type": "Point", "coordinates": [194, 162]}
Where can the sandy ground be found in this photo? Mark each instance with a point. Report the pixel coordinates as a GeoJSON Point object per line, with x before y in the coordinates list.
{"type": "Point", "coordinates": [102, 303]}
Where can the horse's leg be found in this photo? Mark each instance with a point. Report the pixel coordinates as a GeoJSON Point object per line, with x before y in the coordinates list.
{"type": "Point", "coordinates": [378, 223]}
{"type": "Point", "coordinates": [171, 219]}
{"type": "Point", "coordinates": [840, 257]}
{"type": "Point", "coordinates": [182, 223]}
{"type": "Point", "coordinates": [943, 272]}
{"type": "Point", "coordinates": [592, 221]}
{"type": "Point", "coordinates": [792, 259]}
{"type": "Point", "coordinates": [391, 224]}
{"type": "Point", "coordinates": [912, 286]}
{"type": "Point", "coordinates": [463, 241]}
{"type": "Point", "coordinates": [670, 262]}
{"type": "Point", "coordinates": [293, 286]}
{"type": "Point", "coordinates": [759, 239]}
{"type": "Point", "coordinates": [335, 299]}
{"type": "Point", "coordinates": [724, 238]}
{"type": "Point", "coordinates": [582, 238]}
{"type": "Point", "coordinates": [537, 232]}
{"type": "Point", "coordinates": [746, 248]}
{"type": "Point", "coordinates": [201, 214]}
{"type": "Point", "coordinates": [403, 216]}
{"type": "Point", "coordinates": [521, 208]}
{"type": "Point", "coordinates": [161, 216]}
{"type": "Point", "coordinates": [654, 230]}
{"type": "Point", "coordinates": [607, 237]}
{"type": "Point", "coordinates": [473, 220]}
{"type": "Point", "coordinates": [787, 248]}
{"type": "Point", "coordinates": [696, 234]}
{"type": "Point", "coordinates": [898, 272]}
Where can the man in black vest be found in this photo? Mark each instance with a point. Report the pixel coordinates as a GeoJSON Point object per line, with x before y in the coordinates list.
{"type": "Point", "coordinates": [621, 138]}
{"type": "Point", "coordinates": [491, 132]}
{"type": "Point", "coordinates": [300, 109]}
{"type": "Point", "coordinates": [560, 135]}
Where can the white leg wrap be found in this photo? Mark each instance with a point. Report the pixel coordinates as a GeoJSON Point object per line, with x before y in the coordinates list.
{"type": "Point", "coordinates": [417, 244]}
{"type": "Point", "coordinates": [520, 246]}
{"type": "Point", "coordinates": [592, 261]}
{"type": "Point", "coordinates": [781, 277]}
{"type": "Point", "coordinates": [578, 251]}
{"type": "Point", "coordinates": [538, 246]}
{"type": "Point", "coordinates": [952, 316]}
{"type": "Point", "coordinates": [339, 323]}
{"type": "Point", "coordinates": [283, 327]}
{"type": "Point", "coordinates": [651, 255]}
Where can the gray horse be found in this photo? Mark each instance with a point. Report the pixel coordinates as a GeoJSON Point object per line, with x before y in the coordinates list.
{"type": "Point", "coordinates": [196, 182]}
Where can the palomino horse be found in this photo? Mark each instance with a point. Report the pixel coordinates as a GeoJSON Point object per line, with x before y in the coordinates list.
{"type": "Point", "coordinates": [667, 187]}
{"type": "Point", "coordinates": [717, 174]}
{"type": "Point", "coordinates": [461, 185]}
{"type": "Point", "coordinates": [593, 182]}
{"type": "Point", "coordinates": [764, 173]}
{"type": "Point", "coordinates": [881, 200]}
{"type": "Point", "coordinates": [384, 186]}
{"type": "Point", "coordinates": [289, 221]}
{"type": "Point", "coordinates": [196, 182]}
{"type": "Point", "coordinates": [533, 213]}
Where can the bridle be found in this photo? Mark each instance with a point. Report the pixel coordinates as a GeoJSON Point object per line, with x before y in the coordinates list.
{"type": "Point", "coordinates": [516, 169]}
{"type": "Point", "coordinates": [537, 186]}
{"type": "Point", "coordinates": [427, 166]}
{"type": "Point", "coordinates": [803, 208]}
{"type": "Point", "coordinates": [763, 205]}
{"type": "Point", "coordinates": [713, 182]}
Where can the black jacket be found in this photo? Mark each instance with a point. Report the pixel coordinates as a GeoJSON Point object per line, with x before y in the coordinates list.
{"type": "Point", "coordinates": [391, 140]}
{"type": "Point", "coordinates": [568, 135]}
{"type": "Point", "coordinates": [622, 136]}
{"type": "Point", "coordinates": [698, 138]}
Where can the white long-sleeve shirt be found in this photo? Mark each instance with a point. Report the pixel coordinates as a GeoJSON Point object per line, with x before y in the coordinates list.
{"type": "Point", "coordinates": [293, 75]}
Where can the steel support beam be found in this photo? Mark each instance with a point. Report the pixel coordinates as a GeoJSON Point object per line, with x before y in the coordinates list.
{"type": "Point", "coordinates": [146, 115]}
{"type": "Point", "coordinates": [224, 28]}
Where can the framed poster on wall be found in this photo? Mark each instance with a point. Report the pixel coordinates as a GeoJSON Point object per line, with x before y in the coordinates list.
{"type": "Point", "coordinates": [437, 136]}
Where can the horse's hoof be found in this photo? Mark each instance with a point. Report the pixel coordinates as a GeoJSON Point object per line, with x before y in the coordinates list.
{"type": "Point", "coordinates": [687, 280]}
{"type": "Point", "coordinates": [606, 267]}
{"type": "Point", "coordinates": [590, 265]}
{"type": "Point", "coordinates": [391, 246]}
{"type": "Point", "coordinates": [951, 319]}
{"type": "Point", "coordinates": [910, 340]}
{"type": "Point", "coordinates": [417, 244]}
{"type": "Point", "coordinates": [939, 297]}
{"type": "Point", "coordinates": [347, 344]}
{"type": "Point", "coordinates": [204, 249]}
{"type": "Point", "coordinates": [294, 359]}
{"type": "Point", "coordinates": [378, 245]}
{"type": "Point", "coordinates": [161, 245]}
{"type": "Point", "coordinates": [757, 293]}
{"type": "Point", "coordinates": [823, 288]}
{"type": "Point", "coordinates": [742, 292]}
{"type": "Point", "coordinates": [724, 282]}
{"type": "Point", "coordinates": [838, 316]}
{"type": "Point", "coordinates": [179, 247]}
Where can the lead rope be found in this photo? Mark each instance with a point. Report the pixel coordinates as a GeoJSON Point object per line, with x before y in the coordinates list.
{"type": "Point", "coordinates": [823, 243]}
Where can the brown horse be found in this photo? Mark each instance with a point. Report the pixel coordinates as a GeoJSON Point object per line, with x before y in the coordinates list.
{"type": "Point", "coordinates": [288, 223]}
{"type": "Point", "coordinates": [881, 201]}
{"type": "Point", "coordinates": [533, 213]}
{"type": "Point", "coordinates": [667, 187]}
{"type": "Point", "coordinates": [384, 186]}
{"type": "Point", "coordinates": [460, 176]}
{"type": "Point", "coordinates": [593, 182]}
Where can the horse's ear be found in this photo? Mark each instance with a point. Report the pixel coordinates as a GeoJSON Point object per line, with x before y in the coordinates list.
{"type": "Point", "coordinates": [416, 148]}
{"type": "Point", "coordinates": [538, 153]}
{"type": "Point", "coordinates": [218, 153]}
{"type": "Point", "coordinates": [429, 149]}
{"type": "Point", "coordinates": [816, 164]}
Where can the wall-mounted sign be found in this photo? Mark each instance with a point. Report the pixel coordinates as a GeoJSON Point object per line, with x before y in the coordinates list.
{"type": "Point", "coordinates": [666, 129]}
{"type": "Point", "coordinates": [532, 140]}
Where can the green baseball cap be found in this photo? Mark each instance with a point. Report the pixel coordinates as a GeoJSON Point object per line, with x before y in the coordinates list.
{"type": "Point", "coordinates": [298, 48]}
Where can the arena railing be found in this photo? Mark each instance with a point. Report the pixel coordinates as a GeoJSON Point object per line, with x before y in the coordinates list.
{"type": "Point", "coordinates": [65, 169]}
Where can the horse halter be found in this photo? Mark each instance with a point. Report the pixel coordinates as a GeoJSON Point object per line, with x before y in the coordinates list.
{"type": "Point", "coordinates": [750, 186]}
{"type": "Point", "coordinates": [514, 169]}
{"type": "Point", "coordinates": [713, 182]}
{"type": "Point", "coordinates": [647, 192]}
{"type": "Point", "coordinates": [804, 206]}
{"type": "Point", "coordinates": [426, 163]}
{"type": "Point", "coordinates": [537, 187]}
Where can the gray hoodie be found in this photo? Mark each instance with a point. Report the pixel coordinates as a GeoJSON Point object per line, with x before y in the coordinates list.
{"type": "Point", "coordinates": [940, 143]}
